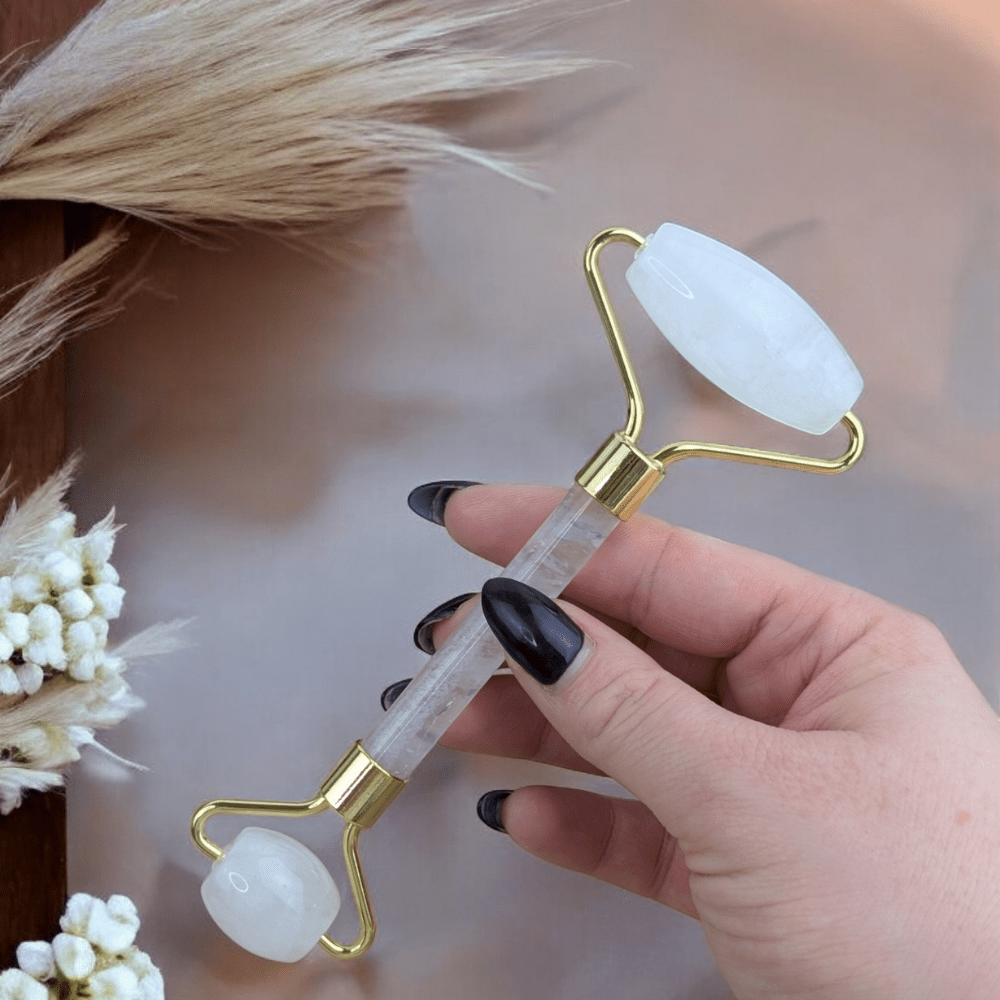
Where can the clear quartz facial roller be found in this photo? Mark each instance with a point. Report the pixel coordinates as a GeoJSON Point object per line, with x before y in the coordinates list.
{"type": "Point", "coordinates": [746, 331]}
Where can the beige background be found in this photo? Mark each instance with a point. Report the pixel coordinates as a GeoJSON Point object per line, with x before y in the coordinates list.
{"type": "Point", "coordinates": [259, 422]}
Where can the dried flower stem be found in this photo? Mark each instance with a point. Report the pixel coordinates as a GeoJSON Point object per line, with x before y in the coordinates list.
{"type": "Point", "coordinates": [73, 296]}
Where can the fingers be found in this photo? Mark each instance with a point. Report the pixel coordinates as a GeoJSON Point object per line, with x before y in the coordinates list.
{"type": "Point", "coordinates": [616, 708]}
{"type": "Point", "coordinates": [721, 616]}
{"type": "Point", "coordinates": [702, 673]}
{"type": "Point", "coordinates": [504, 722]}
{"type": "Point", "coordinates": [512, 716]}
{"type": "Point", "coordinates": [616, 840]}
{"type": "Point", "coordinates": [682, 589]}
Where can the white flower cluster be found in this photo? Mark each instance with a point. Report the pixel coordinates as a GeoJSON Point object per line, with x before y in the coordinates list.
{"type": "Point", "coordinates": [55, 607]}
{"type": "Point", "coordinates": [94, 957]}
{"type": "Point", "coordinates": [60, 681]}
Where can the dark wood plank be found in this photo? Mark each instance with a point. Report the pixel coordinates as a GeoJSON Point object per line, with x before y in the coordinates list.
{"type": "Point", "coordinates": [32, 25]}
{"type": "Point", "coordinates": [32, 441]}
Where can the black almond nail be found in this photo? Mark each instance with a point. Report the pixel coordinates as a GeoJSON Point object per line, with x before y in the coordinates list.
{"type": "Point", "coordinates": [423, 634]}
{"type": "Point", "coordinates": [430, 500]}
{"type": "Point", "coordinates": [392, 692]}
{"type": "Point", "coordinates": [533, 630]}
{"type": "Point", "coordinates": [489, 807]}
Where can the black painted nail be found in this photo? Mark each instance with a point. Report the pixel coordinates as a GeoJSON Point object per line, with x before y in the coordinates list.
{"type": "Point", "coordinates": [489, 806]}
{"type": "Point", "coordinates": [423, 634]}
{"type": "Point", "coordinates": [430, 500]}
{"type": "Point", "coordinates": [532, 629]}
{"type": "Point", "coordinates": [392, 692]}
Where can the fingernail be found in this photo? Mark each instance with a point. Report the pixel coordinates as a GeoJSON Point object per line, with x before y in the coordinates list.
{"type": "Point", "coordinates": [534, 631]}
{"type": "Point", "coordinates": [423, 634]}
{"type": "Point", "coordinates": [392, 692]}
{"type": "Point", "coordinates": [430, 500]}
{"type": "Point", "coordinates": [489, 806]}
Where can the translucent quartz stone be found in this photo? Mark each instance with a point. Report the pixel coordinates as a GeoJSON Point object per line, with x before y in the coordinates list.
{"type": "Point", "coordinates": [556, 552]}
{"type": "Point", "coordinates": [271, 895]}
{"type": "Point", "coordinates": [744, 329]}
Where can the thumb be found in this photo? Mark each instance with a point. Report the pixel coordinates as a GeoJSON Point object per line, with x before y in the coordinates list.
{"type": "Point", "coordinates": [673, 748]}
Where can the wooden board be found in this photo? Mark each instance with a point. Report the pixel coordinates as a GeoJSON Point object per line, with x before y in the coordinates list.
{"type": "Point", "coordinates": [33, 238]}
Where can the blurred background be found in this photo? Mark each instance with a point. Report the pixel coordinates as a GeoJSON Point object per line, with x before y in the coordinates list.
{"type": "Point", "coordinates": [258, 418]}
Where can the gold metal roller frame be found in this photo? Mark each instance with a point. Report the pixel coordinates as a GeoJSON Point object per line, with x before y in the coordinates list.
{"type": "Point", "coordinates": [360, 790]}
{"type": "Point", "coordinates": [620, 475]}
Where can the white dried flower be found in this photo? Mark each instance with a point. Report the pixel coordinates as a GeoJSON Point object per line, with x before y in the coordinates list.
{"type": "Point", "coordinates": [57, 592]}
{"type": "Point", "coordinates": [100, 627]}
{"type": "Point", "coordinates": [98, 543]}
{"type": "Point", "coordinates": [15, 984]}
{"type": "Point", "coordinates": [61, 570]}
{"type": "Point", "coordinates": [74, 956]}
{"type": "Point", "coordinates": [45, 622]}
{"type": "Point", "coordinates": [107, 598]}
{"type": "Point", "coordinates": [115, 983]}
{"type": "Point", "coordinates": [110, 926]}
{"type": "Point", "coordinates": [75, 604]}
{"type": "Point", "coordinates": [56, 653]}
{"type": "Point", "coordinates": [118, 931]}
{"type": "Point", "coordinates": [29, 587]}
{"type": "Point", "coordinates": [59, 529]}
{"type": "Point", "coordinates": [94, 957]}
{"type": "Point", "coordinates": [84, 667]}
{"type": "Point", "coordinates": [30, 676]}
{"type": "Point", "coordinates": [15, 627]}
{"type": "Point", "coordinates": [46, 652]}
{"type": "Point", "coordinates": [77, 914]}
{"type": "Point", "coordinates": [9, 684]}
{"type": "Point", "coordinates": [138, 961]}
{"type": "Point", "coordinates": [106, 574]}
{"type": "Point", "coordinates": [80, 638]}
{"type": "Point", "coordinates": [36, 958]}
{"type": "Point", "coordinates": [151, 986]}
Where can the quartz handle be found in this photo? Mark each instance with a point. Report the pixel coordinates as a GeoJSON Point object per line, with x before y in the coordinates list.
{"type": "Point", "coordinates": [553, 555]}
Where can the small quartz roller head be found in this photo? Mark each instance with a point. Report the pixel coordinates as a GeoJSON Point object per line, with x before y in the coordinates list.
{"type": "Point", "coordinates": [271, 895]}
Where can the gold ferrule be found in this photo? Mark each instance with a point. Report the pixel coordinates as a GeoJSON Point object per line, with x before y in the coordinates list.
{"type": "Point", "coordinates": [359, 788]}
{"type": "Point", "coordinates": [620, 476]}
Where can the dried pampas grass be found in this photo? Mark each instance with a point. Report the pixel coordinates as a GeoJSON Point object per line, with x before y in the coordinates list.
{"type": "Point", "coordinates": [60, 681]}
{"type": "Point", "coordinates": [279, 115]}
{"type": "Point", "coordinates": [74, 296]}
{"type": "Point", "coordinates": [262, 113]}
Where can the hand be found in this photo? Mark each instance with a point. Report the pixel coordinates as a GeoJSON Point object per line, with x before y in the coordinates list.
{"type": "Point", "coordinates": [816, 776]}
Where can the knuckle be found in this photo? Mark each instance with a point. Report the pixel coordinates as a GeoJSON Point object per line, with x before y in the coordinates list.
{"type": "Point", "coordinates": [647, 580]}
{"type": "Point", "coordinates": [910, 634]}
{"type": "Point", "coordinates": [921, 630]}
{"type": "Point", "coordinates": [612, 708]}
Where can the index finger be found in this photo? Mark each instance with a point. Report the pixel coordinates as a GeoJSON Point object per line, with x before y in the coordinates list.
{"type": "Point", "coordinates": [681, 588]}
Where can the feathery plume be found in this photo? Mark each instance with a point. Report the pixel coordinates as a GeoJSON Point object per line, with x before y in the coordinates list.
{"type": "Point", "coordinates": [74, 296]}
{"type": "Point", "coordinates": [278, 114]}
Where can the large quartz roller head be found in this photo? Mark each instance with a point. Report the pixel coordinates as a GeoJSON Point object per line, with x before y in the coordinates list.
{"type": "Point", "coordinates": [744, 329]}
{"type": "Point", "coordinates": [271, 895]}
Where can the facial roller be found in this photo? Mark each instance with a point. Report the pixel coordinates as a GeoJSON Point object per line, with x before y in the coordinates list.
{"type": "Point", "coordinates": [741, 327]}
